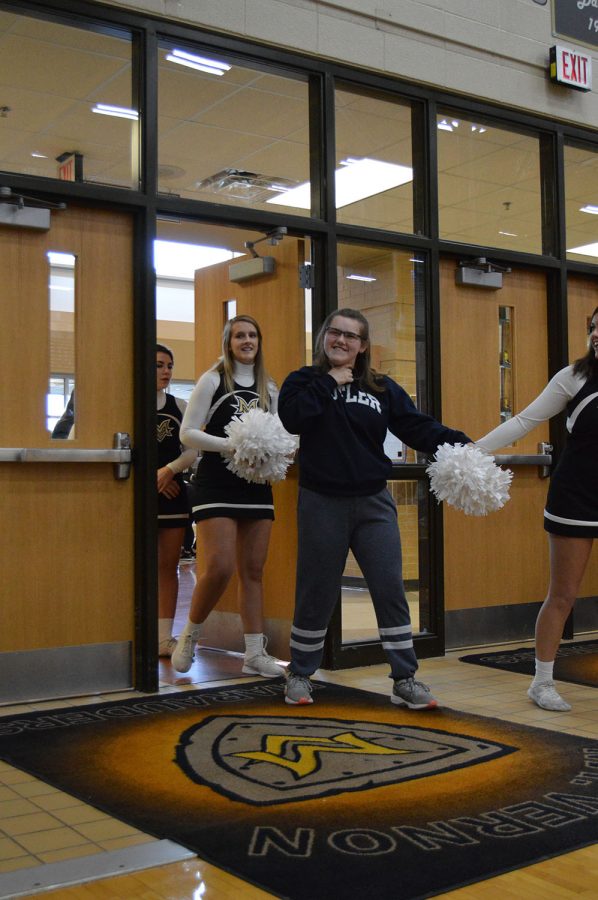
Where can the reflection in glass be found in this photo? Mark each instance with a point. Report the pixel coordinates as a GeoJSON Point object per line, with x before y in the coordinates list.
{"type": "Point", "coordinates": [374, 174]}
{"type": "Point", "coordinates": [56, 74]}
{"type": "Point", "coordinates": [228, 133]}
{"type": "Point", "coordinates": [505, 344]}
{"type": "Point", "coordinates": [60, 401]}
{"type": "Point", "coordinates": [488, 185]}
{"type": "Point", "coordinates": [581, 203]}
{"type": "Point", "coordinates": [388, 287]}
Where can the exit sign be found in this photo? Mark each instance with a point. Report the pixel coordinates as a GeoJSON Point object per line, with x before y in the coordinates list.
{"type": "Point", "coordinates": [571, 67]}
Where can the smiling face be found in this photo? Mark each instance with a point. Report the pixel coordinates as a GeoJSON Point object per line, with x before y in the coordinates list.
{"type": "Point", "coordinates": [594, 334]}
{"type": "Point", "coordinates": [164, 367]}
{"type": "Point", "coordinates": [244, 342]}
{"type": "Point", "coordinates": [343, 342]}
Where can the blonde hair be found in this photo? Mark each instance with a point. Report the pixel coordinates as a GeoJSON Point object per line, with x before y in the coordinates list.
{"type": "Point", "coordinates": [226, 364]}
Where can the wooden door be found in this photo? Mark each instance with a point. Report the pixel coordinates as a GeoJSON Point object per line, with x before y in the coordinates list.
{"type": "Point", "coordinates": [67, 616]}
{"type": "Point", "coordinates": [277, 302]}
{"type": "Point", "coordinates": [496, 567]}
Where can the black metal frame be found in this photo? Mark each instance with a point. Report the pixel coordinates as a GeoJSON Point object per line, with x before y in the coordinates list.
{"type": "Point", "coordinates": [146, 204]}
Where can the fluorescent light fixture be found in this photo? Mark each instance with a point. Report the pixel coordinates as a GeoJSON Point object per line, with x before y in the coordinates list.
{"type": "Point", "coordinates": [592, 210]}
{"type": "Point", "coordinates": [508, 234]}
{"type": "Point", "coordinates": [585, 249]}
{"type": "Point", "coordinates": [121, 112]}
{"type": "Point", "coordinates": [360, 277]}
{"type": "Point", "coordinates": [356, 180]}
{"type": "Point", "coordinates": [39, 155]}
{"type": "Point", "coordinates": [201, 63]}
{"type": "Point", "coordinates": [178, 260]}
{"type": "Point", "coordinates": [444, 126]}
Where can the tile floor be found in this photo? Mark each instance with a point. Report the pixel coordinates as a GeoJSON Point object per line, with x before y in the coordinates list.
{"type": "Point", "coordinates": [40, 825]}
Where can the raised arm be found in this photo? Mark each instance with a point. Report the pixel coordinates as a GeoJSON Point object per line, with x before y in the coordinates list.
{"type": "Point", "coordinates": [561, 388]}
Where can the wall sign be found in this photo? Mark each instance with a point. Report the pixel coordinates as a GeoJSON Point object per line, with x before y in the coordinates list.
{"type": "Point", "coordinates": [577, 19]}
{"type": "Point", "coordinates": [571, 67]}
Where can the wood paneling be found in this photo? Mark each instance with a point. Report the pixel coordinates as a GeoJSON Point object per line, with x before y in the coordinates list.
{"type": "Point", "coordinates": [502, 558]}
{"type": "Point", "coordinates": [67, 544]}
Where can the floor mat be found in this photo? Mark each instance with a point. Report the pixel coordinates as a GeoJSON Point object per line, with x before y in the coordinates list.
{"type": "Point", "coordinates": [351, 796]}
{"type": "Point", "coordinates": [576, 662]}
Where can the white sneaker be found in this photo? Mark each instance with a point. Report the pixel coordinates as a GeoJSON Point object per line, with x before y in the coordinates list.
{"type": "Point", "coordinates": [167, 646]}
{"type": "Point", "coordinates": [546, 696]}
{"type": "Point", "coordinates": [263, 664]}
{"type": "Point", "coordinates": [183, 653]}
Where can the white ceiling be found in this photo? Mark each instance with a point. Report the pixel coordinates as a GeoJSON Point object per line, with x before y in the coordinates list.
{"type": "Point", "coordinates": [257, 121]}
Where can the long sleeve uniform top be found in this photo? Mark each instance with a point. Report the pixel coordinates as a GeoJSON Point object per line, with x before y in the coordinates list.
{"type": "Point", "coordinates": [199, 408]}
{"type": "Point", "coordinates": [561, 388]}
{"type": "Point", "coordinates": [187, 457]}
{"type": "Point", "coordinates": [342, 430]}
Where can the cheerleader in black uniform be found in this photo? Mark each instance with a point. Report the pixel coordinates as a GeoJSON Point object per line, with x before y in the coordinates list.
{"type": "Point", "coordinates": [571, 514]}
{"type": "Point", "coordinates": [233, 516]}
{"type": "Point", "coordinates": [173, 509]}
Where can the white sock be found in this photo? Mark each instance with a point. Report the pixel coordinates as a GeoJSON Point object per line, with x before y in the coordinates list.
{"type": "Point", "coordinates": [192, 629]}
{"type": "Point", "coordinates": [254, 645]}
{"type": "Point", "coordinates": [543, 671]}
{"type": "Point", "coordinates": [164, 629]}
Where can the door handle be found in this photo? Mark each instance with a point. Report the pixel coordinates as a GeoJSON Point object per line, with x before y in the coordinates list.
{"type": "Point", "coordinates": [542, 459]}
{"type": "Point", "coordinates": [120, 455]}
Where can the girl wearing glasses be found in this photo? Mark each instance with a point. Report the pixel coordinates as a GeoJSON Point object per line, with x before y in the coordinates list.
{"type": "Point", "coordinates": [342, 410]}
{"type": "Point", "coordinates": [571, 513]}
{"type": "Point", "coordinates": [233, 516]}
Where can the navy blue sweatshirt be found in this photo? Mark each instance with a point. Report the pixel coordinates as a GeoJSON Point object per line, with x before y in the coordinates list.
{"type": "Point", "coordinates": [343, 429]}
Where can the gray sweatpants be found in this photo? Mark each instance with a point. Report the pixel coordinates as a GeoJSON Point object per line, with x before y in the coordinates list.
{"type": "Point", "coordinates": [328, 527]}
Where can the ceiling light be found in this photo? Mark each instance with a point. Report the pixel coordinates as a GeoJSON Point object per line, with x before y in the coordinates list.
{"type": "Point", "coordinates": [444, 126]}
{"type": "Point", "coordinates": [585, 249]}
{"type": "Point", "coordinates": [508, 233]}
{"type": "Point", "coordinates": [39, 155]}
{"type": "Point", "coordinates": [592, 210]}
{"type": "Point", "coordinates": [201, 63]}
{"type": "Point", "coordinates": [121, 112]}
{"type": "Point", "coordinates": [356, 180]}
{"type": "Point", "coordinates": [174, 259]}
{"type": "Point", "coordinates": [356, 277]}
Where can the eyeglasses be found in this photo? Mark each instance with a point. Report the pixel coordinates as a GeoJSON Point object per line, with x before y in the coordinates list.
{"type": "Point", "coordinates": [348, 335]}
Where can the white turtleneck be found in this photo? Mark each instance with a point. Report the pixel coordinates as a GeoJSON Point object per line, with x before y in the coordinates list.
{"type": "Point", "coordinates": [200, 402]}
{"type": "Point", "coordinates": [187, 457]}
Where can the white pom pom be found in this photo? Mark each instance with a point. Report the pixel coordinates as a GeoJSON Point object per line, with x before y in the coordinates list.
{"type": "Point", "coordinates": [468, 479]}
{"type": "Point", "coordinates": [261, 450]}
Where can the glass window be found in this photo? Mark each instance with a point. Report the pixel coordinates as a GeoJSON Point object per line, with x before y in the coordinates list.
{"type": "Point", "coordinates": [388, 287]}
{"type": "Point", "coordinates": [66, 108]}
{"type": "Point", "coordinates": [581, 203]}
{"type": "Point", "coordinates": [374, 173]}
{"type": "Point", "coordinates": [488, 185]}
{"type": "Point", "coordinates": [232, 134]}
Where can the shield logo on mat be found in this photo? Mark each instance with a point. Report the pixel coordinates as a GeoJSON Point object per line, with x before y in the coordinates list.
{"type": "Point", "coordinates": [270, 759]}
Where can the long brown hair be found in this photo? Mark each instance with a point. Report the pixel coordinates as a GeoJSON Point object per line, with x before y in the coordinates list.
{"type": "Point", "coordinates": [587, 365]}
{"type": "Point", "coordinates": [363, 370]}
{"type": "Point", "coordinates": [226, 364]}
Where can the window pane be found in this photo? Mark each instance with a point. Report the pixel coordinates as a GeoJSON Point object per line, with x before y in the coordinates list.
{"type": "Point", "coordinates": [231, 134]}
{"type": "Point", "coordinates": [581, 203]}
{"type": "Point", "coordinates": [388, 287]}
{"type": "Point", "coordinates": [62, 320]}
{"type": "Point", "coordinates": [374, 174]}
{"type": "Point", "coordinates": [51, 78]}
{"type": "Point", "coordinates": [488, 185]}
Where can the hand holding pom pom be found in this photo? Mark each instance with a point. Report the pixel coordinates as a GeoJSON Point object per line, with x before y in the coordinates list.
{"type": "Point", "coordinates": [260, 449]}
{"type": "Point", "coordinates": [468, 479]}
